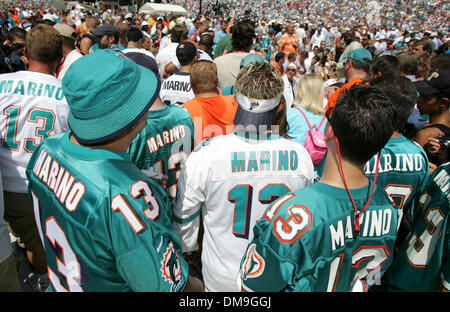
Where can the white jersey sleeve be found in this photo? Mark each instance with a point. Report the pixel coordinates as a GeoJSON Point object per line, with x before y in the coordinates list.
{"type": "Point", "coordinates": [32, 107]}
{"type": "Point", "coordinates": [192, 187]}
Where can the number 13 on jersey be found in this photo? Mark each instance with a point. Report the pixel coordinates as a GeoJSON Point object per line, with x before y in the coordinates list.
{"type": "Point", "coordinates": [241, 195]}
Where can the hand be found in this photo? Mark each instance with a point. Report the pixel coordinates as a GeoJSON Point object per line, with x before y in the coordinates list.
{"type": "Point", "coordinates": [159, 178]}
{"type": "Point", "coordinates": [433, 145]}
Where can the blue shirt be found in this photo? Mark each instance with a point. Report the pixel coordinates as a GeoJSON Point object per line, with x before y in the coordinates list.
{"type": "Point", "coordinates": [219, 34]}
{"type": "Point", "coordinates": [298, 127]}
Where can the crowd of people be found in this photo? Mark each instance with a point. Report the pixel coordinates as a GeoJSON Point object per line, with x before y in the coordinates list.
{"type": "Point", "coordinates": [287, 146]}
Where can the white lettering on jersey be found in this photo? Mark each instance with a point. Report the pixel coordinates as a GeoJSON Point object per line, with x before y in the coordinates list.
{"type": "Point", "coordinates": [401, 163]}
{"type": "Point", "coordinates": [442, 180]}
{"type": "Point", "coordinates": [175, 134]}
{"type": "Point", "coordinates": [60, 181]}
{"type": "Point", "coordinates": [374, 223]}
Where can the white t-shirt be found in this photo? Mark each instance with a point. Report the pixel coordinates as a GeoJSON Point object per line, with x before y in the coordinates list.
{"type": "Point", "coordinates": [167, 55]}
{"type": "Point", "coordinates": [202, 55]}
{"type": "Point", "coordinates": [231, 180]}
{"type": "Point", "coordinates": [33, 107]}
{"type": "Point", "coordinates": [289, 89]}
{"type": "Point", "coordinates": [68, 60]}
{"type": "Point", "coordinates": [176, 89]}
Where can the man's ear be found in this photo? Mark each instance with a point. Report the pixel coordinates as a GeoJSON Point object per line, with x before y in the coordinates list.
{"type": "Point", "coordinates": [25, 52]}
{"type": "Point", "coordinates": [329, 133]}
{"type": "Point", "coordinates": [443, 104]}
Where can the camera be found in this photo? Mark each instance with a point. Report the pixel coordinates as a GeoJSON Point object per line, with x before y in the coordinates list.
{"type": "Point", "coordinates": [444, 141]}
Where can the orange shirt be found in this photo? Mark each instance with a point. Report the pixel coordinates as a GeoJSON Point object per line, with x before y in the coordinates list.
{"type": "Point", "coordinates": [333, 98]}
{"type": "Point", "coordinates": [287, 43]}
{"type": "Point", "coordinates": [212, 116]}
{"type": "Point", "coordinates": [277, 66]}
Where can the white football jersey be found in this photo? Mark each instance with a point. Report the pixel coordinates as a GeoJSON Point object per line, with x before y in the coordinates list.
{"type": "Point", "coordinates": [231, 180]}
{"type": "Point", "coordinates": [32, 107]}
{"type": "Point", "coordinates": [176, 89]}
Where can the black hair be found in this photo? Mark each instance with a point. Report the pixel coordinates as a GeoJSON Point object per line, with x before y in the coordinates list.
{"type": "Point", "coordinates": [134, 35]}
{"type": "Point", "coordinates": [185, 58]}
{"type": "Point", "coordinates": [403, 96]}
{"type": "Point", "coordinates": [386, 65]}
{"type": "Point", "coordinates": [16, 33]}
{"type": "Point", "coordinates": [242, 35]}
{"type": "Point", "coordinates": [361, 120]}
{"type": "Point", "coordinates": [279, 56]}
{"type": "Point", "coordinates": [206, 40]}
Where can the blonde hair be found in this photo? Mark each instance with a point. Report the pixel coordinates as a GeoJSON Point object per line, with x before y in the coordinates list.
{"type": "Point", "coordinates": [259, 81]}
{"type": "Point", "coordinates": [309, 93]}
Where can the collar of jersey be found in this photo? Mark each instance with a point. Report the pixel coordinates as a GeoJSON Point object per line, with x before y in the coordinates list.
{"type": "Point", "coordinates": [341, 193]}
{"type": "Point", "coordinates": [157, 113]}
{"type": "Point", "coordinates": [256, 136]}
{"type": "Point", "coordinates": [86, 153]}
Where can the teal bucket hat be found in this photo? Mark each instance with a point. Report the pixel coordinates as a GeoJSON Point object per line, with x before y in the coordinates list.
{"type": "Point", "coordinates": [361, 55]}
{"type": "Point", "coordinates": [107, 94]}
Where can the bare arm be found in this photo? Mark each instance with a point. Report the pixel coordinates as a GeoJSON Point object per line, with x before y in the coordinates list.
{"type": "Point", "coordinates": [194, 285]}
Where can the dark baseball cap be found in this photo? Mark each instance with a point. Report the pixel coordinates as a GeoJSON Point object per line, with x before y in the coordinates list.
{"type": "Point", "coordinates": [144, 60]}
{"type": "Point", "coordinates": [436, 82]}
{"type": "Point", "coordinates": [105, 29]}
{"type": "Point", "coordinates": [186, 51]}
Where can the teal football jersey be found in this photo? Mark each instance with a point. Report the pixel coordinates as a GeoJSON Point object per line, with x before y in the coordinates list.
{"type": "Point", "coordinates": [164, 144]}
{"type": "Point", "coordinates": [306, 242]}
{"type": "Point", "coordinates": [402, 172]}
{"type": "Point", "coordinates": [103, 223]}
{"type": "Point", "coordinates": [423, 262]}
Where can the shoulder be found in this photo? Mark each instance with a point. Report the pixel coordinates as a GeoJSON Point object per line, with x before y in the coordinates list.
{"type": "Point", "coordinates": [210, 143]}
{"type": "Point", "coordinates": [423, 134]}
{"type": "Point", "coordinates": [191, 106]}
{"type": "Point", "coordinates": [179, 112]}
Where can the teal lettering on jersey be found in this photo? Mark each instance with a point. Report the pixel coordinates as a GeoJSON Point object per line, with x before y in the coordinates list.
{"type": "Point", "coordinates": [265, 161]}
{"type": "Point", "coordinates": [6, 86]}
{"type": "Point", "coordinates": [19, 88]}
{"type": "Point", "coordinates": [31, 88]}
{"type": "Point", "coordinates": [293, 160]}
{"type": "Point", "coordinates": [49, 91]}
{"type": "Point", "coordinates": [283, 159]}
{"type": "Point", "coordinates": [252, 164]}
{"type": "Point", "coordinates": [238, 162]}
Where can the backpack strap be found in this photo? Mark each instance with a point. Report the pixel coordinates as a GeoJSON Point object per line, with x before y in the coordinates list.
{"type": "Point", "coordinates": [320, 125]}
{"type": "Point", "coordinates": [307, 121]}
{"type": "Point", "coordinates": [310, 128]}
{"type": "Point", "coordinates": [441, 127]}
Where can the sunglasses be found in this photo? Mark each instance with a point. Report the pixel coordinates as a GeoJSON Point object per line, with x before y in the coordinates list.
{"type": "Point", "coordinates": [290, 69]}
